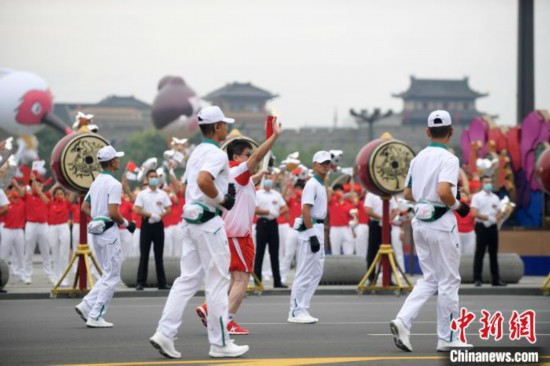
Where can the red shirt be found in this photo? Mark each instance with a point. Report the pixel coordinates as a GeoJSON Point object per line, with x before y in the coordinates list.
{"type": "Point", "coordinates": [339, 212]}
{"type": "Point", "coordinates": [35, 209]}
{"type": "Point", "coordinates": [172, 218]}
{"type": "Point", "coordinates": [15, 218]}
{"type": "Point", "coordinates": [465, 224]}
{"type": "Point", "coordinates": [137, 219]}
{"type": "Point", "coordinates": [125, 210]}
{"type": "Point", "coordinates": [75, 213]}
{"type": "Point", "coordinates": [58, 212]}
{"type": "Point", "coordinates": [363, 217]}
{"type": "Point", "coordinates": [294, 209]}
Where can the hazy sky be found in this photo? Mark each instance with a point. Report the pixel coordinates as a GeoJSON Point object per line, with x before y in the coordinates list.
{"type": "Point", "coordinates": [320, 56]}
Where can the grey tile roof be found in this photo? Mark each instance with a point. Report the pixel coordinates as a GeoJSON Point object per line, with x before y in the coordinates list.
{"type": "Point", "coordinates": [240, 90]}
{"type": "Point", "coordinates": [439, 89]}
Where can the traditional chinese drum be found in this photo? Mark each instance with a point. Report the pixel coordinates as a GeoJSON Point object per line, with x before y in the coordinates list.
{"type": "Point", "coordinates": [542, 170]}
{"type": "Point", "coordinates": [382, 166]}
{"type": "Point", "coordinates": [74, 160]}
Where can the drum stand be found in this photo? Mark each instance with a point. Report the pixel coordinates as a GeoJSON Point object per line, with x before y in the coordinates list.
{"type": "Point", "coordinates": [84, 255]}
{"type": "Point", "coordinates": [386, 258]}
{"type": "Point", "coordinates": [546, 285]}
{"type": "Point", "coordinates": [384, 253]}
{"type": "Point", "coordinates": [258, 286]}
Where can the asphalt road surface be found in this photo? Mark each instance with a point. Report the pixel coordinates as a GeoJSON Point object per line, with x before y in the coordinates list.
{"type": "Point", "coordinates": [353, 330]}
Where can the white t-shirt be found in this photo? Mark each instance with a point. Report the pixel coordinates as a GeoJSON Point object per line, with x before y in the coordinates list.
{"type": "Point", "coordinates": [272, 201]}
{"type": "Point", "coordinates": [3, 198]}
{"type": "Point", "coordinates": [315, 194]}
{"type": "Point", "coordinates": [153, 201]}
{"type": "Point", "coordinates": [104, 191]}
{"type": "Point", "coordinates": [486, 203]}
{"type": "Point", "coordinates": [207, 157]}
{"type": "Point", "coordinates": [376, 204]}
{"type": "Point", "coordinates": [238, 221]}
{"type": "Point", "coordinates": [433, 165]}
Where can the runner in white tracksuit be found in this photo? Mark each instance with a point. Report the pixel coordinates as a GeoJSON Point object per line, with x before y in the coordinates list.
{"type": "Point", "coordinates": [310, 256]}
{"type": "Point", "coordinates": [102, 204]}
{"type": "Point", "coordinates": [432, 183]}
{"type": "Point", "coordinates": [205, 252]}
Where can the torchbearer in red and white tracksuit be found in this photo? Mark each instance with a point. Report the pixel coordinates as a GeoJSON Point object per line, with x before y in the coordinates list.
{"type": "Point", "coordinates": [238, 222]}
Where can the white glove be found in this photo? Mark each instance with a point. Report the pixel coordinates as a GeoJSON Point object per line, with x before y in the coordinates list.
{"type": "Point", "coordinates": [154, 218]}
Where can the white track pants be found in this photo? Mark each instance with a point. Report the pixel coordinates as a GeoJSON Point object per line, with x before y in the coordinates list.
{"type": "Point", "coordinates": [60, 241]}
{"type": "Point", "coordinates": [178, 240]}
{"type": "Point", "coordinates": [205, 257]}
{"type": "Point", "coordinates": [309, 270]}
{"type": "Point", "coordinates": [37, 233]}
{"type": "Point", "coordinates": [290, 252]}
{"type": "Point", "coordinates": [439, 257]}
{"type": "Point", "coordinates": [397, 245]}
{"type": "Point", "coordinates": [361, 240]}
{"type": "Point", "coordinates": [169, 240]}
{"type": "Point", "coordinates": [341, 238]}
{"type": "Point", "coordinates": [135, 243]}
{"type": "Point", "coordinates": [13, 242]}
{"type": "Point", "coordinates": [468, 243]}
{"type": "Point", "coordinates": [127, 241]}
{"type": "Point", "coordinates": [108, 252]}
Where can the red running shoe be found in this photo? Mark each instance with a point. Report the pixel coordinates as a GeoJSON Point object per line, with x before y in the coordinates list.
{"type": "Point", "coordinates": [234, 329]}
{"type": "Point", "coordinates": [202, 312]}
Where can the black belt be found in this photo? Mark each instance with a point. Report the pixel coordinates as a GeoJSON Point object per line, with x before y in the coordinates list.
{"type": "Point", "coordinates": [263, 219]}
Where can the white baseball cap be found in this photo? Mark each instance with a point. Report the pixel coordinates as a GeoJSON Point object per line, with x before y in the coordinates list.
{"type": "Point", "coordinates": [439, 118]}
{"type": "Point", "coordinates": [107, 153]}
{"type": "Point", "coordinates": [212, 114]}
{"type": "Point", "coordinates": [322, 156]}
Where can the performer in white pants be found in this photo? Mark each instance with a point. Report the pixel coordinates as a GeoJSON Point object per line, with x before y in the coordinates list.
{"type": "Point", "coordinates": [205, 248]}
{"type": "Point", "coordinates": [432, 183]}
{"type": "Point", "coordinates": [59, 232]}
{"type": "Point", "coordinates": [294, 203]}
{"type": "Point", "coordinates": [102, 205]}
{"type": "Point", "coordinates": [362, 231]}
{"type": "Point", "coordinates": [311, 252]}
{"type": "Point", "coordinates": [13, 240]}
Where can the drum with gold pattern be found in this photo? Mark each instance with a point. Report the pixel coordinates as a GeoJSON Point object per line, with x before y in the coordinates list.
{"type": "Point", "coordinates": [382, 166]}
{"type": "Point", "coordinates": [74, 160]}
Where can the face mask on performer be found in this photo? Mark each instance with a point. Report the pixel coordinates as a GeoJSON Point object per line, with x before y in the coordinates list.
{"type": "Point", "coordinates": [153, 182]}
{"type": "Point", "coordinates": [268, 183]}
{"type": "Point", "coordinates": [488, 187]}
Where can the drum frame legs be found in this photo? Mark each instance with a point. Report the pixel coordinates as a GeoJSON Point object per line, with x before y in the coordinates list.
{"type": "Point", "coordinates": [84, 255]}
{"type": "Point", "coordinates": [385, 250]}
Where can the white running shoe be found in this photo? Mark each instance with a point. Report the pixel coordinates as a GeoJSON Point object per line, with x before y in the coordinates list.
{"type": "Point", "coordinates": [82, 311]}
{"type": "Point", "coordinates": [99, 323]}
{"type": "Point", "coordinates": [400, 335]}
{"type": "Point", "coordinates": [230, 350]}
{"type": "Point", "coordinates": [312, 317]}
{"type": "Point", "coordinates": [164, 345]}
{"type": "Point", "coordinates": [444, 346]}
{"type": "Point", "coordinates": [303, 318]}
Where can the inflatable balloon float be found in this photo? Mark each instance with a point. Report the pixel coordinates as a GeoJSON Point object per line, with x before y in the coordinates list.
{"type": "Point", "coordinates": [26, 106]}
{"type": "Point", "coordinates": [174, 110]}
{"type": "Point", "coordinates": [516, 149]}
